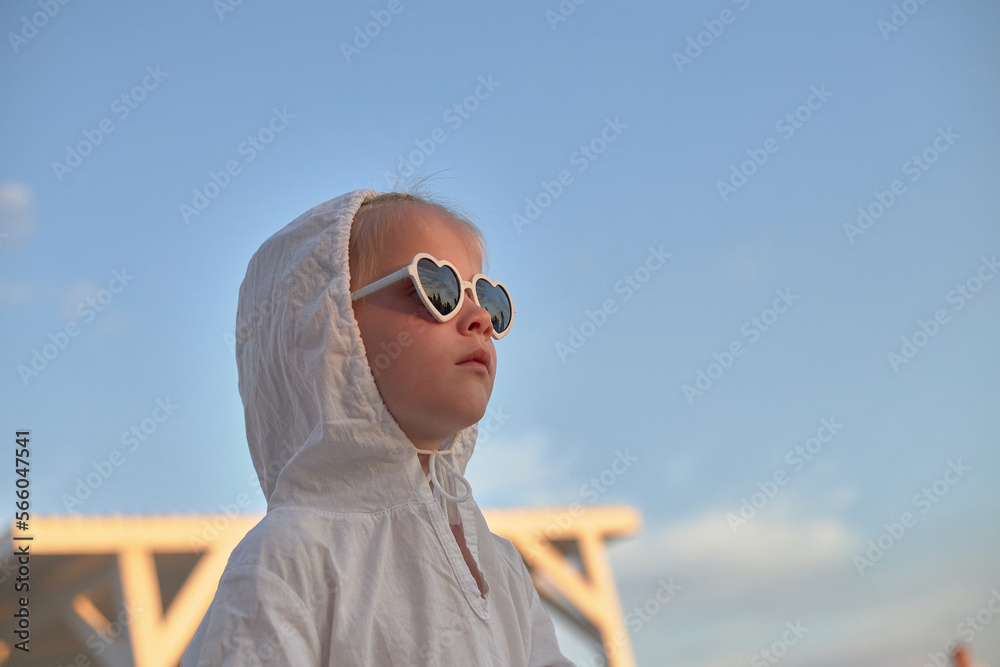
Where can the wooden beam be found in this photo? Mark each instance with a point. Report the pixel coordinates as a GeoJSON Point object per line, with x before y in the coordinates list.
{"type": "Point", "coordinates": [158, 638]}
{"type": "Point", "coordinates": [592, 591]}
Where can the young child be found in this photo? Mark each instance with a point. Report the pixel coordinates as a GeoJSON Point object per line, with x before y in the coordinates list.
{"type": "Point", "coordinates": [368, 364]}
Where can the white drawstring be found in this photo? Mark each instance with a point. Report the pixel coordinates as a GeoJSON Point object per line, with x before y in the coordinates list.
{"type": "Point", "coordinates": [436, 458]}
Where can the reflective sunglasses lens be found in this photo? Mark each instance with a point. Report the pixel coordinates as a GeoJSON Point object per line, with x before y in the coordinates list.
{"type": "Point", "coordinates": [440, 284]}
{"type": "Point", "coordinates": [496, 302]}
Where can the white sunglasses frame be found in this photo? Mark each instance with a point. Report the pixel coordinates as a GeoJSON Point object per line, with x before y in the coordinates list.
{"type": "Point", "coordinates": [410, 271]}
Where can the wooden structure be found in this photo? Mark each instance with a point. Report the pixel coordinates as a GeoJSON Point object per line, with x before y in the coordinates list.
{"type": "Point", "coordinates": [130, 591]}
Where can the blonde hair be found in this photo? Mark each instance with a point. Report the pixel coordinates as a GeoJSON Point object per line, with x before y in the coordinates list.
{"type": "Point", "coordinates": [378, 216]}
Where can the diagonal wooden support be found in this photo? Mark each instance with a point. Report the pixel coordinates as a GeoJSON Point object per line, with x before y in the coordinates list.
{"type": "Point", "coordinates": [141, 593]}
{"type": "Point", "coordinates": [86, 619]}
{"type": "Point", "coordinates": [192, 601]}
{"type": "Point", "coordinates": [592, 592]}
{"type": "Point", "coordinates": [157, 639]}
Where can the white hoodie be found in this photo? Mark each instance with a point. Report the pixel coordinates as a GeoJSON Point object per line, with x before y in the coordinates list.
{"type": "Point", "coordinates": [355, 562]}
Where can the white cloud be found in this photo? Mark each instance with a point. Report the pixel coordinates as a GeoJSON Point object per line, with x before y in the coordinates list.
{"type": "Point", "coordinates": [17, 214]}
{"type": "Point", "coordinates": [76, 294]}
{"type": "Point", "coordinates": [764, 550]}
{"type": "Point", "coordinates": [739, 590]}
{"type": "Point", "coordinates": [519, 472]}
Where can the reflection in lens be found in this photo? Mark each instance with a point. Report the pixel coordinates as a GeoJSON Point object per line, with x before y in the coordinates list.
{"type": "Point", "coordinates": [496, 302]}
{"type": "Point", "coordinates": [440, 284]}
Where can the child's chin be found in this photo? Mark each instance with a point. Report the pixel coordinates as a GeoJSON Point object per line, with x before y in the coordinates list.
{"type": "Point", "coordinates": [471, 418]}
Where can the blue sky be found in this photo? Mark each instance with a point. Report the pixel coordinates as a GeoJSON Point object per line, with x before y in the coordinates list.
{"type": "Point", "coordinates": [819, 110]}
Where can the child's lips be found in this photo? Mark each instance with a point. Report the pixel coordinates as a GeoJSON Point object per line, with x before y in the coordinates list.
{"type": "Point", "coordinates": [479, 358]}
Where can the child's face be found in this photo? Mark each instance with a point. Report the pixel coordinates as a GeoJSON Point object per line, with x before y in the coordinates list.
{"type": "Point", "coordinates": [416, 360]}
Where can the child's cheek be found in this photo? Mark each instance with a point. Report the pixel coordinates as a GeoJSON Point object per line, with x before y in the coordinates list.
{"type": "Point", "coordinates": [420, 318]}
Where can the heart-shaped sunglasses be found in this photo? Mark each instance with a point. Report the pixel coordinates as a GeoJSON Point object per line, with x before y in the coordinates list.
{"type": "Point", "coordinates": [442, 290]}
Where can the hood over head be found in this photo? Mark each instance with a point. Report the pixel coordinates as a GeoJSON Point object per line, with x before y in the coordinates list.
{"type": "Point", "coordinates": [319, 433]}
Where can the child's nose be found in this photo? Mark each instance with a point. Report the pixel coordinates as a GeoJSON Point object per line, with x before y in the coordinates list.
{"type": "Point", "coordinates": [475, 315]}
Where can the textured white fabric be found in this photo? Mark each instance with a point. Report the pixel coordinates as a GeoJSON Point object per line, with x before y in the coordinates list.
{"type": "Point", "coordinates": [355, 562]}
